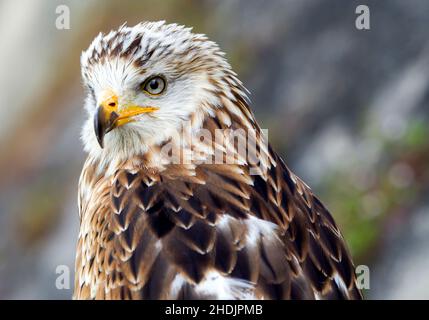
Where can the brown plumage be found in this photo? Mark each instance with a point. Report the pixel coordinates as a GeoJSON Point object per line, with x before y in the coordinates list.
{"type": "Point", "coordinates": [203, 230]}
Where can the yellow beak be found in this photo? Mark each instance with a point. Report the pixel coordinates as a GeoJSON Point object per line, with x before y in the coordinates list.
{"type": "Point", "coordinates": [109, 115]}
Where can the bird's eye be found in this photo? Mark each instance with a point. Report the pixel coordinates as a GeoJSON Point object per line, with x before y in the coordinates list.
{"type": "Point", "coordinates": [154, 85]}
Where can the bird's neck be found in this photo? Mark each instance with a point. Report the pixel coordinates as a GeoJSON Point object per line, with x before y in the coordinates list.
{"type": "Point", "coordinates": [222, 135]}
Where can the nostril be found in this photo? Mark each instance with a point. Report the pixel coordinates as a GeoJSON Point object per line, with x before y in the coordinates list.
{"type": "Point", "coordinates": [112, 104]}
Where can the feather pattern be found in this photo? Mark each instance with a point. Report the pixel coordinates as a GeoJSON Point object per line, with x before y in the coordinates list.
{"type": "Point", "coordinates": [205, 230]}
{"type": "Point", "coordinates": [142, 229]}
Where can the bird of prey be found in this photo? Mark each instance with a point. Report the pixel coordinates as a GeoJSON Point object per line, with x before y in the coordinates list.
{"type": "Point", "coordinates": [167, 212]}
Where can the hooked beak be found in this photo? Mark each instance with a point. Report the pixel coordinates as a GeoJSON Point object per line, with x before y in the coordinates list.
{"type": "Point", "coordinates": [109, 115]}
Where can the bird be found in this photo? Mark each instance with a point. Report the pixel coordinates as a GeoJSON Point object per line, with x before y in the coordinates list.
{"type": "Point", "coordinates": [181, 195]}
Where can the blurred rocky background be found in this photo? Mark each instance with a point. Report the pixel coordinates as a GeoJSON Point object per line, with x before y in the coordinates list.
{"type": "Point", "coordinates": [348, 110]}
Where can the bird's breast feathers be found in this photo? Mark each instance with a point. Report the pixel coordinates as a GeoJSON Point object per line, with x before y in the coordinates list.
{"type": "Point", "coordinates": [207, 231]}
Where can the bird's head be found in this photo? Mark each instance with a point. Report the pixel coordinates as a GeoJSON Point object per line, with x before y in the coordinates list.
{"type": "Point", "coordinates": [146, 82]}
